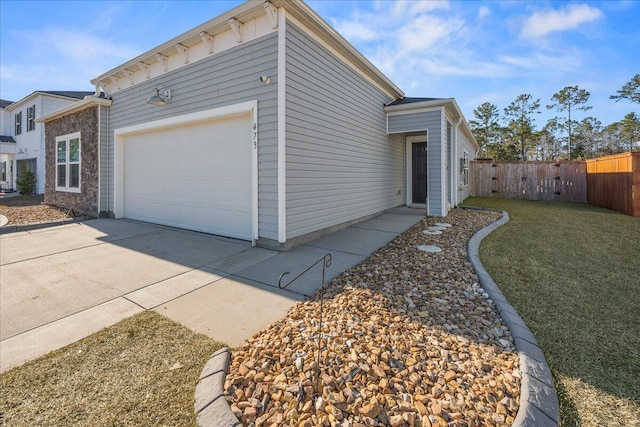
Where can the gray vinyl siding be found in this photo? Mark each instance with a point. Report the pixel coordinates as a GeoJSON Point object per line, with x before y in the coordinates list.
{"type": "Point", "coordinates": [340, 163]}
{"type": "Point", "coordinates": [463, 144]}
{"type": "Point", "coordinates": [413, 122]}
{"type": "Point", "coordinates": [227, 78]}
{"type": "Point", "coordinates": [435, 159]}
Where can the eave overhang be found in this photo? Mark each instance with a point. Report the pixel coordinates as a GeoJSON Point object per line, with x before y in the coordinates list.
{"type": "Point", "coordinates": [449, 104]}
{"type": "Point", "coordinates": [234, 19]}
{"type": "Point", "coordinates": [87, 102]}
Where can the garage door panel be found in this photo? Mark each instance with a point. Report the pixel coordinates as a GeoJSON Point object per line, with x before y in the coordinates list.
{"type": "Point", "coordinates": [196, 177]}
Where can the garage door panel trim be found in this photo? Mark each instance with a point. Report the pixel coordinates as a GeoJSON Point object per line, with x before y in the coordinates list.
{"type": "Point", "coordinates": [120, 136]}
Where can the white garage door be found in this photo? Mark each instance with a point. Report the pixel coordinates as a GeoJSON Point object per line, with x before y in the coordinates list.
{"type": "Point", "coordinates": [196, 176]}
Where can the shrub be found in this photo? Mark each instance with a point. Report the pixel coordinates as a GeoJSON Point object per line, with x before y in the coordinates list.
{"type": "Point", "coordinates": [26, 182]}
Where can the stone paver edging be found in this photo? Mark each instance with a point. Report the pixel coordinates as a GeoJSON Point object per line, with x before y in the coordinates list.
{"type": "Point", "coordinates": [211, 405]}
{"type": "Point", "coordinates": [538, 401]}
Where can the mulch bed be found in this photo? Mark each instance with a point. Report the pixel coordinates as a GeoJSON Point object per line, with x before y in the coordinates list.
{"type": "Point", "coordinates": [21, 210]}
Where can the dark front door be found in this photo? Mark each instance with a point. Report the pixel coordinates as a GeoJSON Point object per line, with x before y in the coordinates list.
{"type": "Point", "coordinates": [419, 172]}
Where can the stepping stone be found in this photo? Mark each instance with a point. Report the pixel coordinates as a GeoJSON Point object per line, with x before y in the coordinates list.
{"type": "Point", "coordinates": [432, 232]}
{"type": "Point", "coordinates": [429, 248]}
{"type": "Point", "coordinates": [436, 228]}
{"type": "Point", "coordinates": [443, 224]}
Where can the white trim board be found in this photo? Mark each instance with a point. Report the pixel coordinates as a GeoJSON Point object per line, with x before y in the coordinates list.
{"type": "Point", "coordinates": [282, 143]}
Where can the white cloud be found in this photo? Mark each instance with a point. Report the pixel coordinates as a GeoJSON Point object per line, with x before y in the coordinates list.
{"type": "Point", "coordinates": [542, 23]}
{"type": "Point", "coordinates": [547, 63]}
{"type": "Point", "coordinates": [356, 31]}
{"type": "Point", "coordinates": [408, 8]}
{"type": "Point", "coordinates": [78, 46]}
{"type": "Point", "coordinates": [426, 31]}
{"type": "Point", "coordinates": [422, 51]}
{"type": "Point", "coordinates": [483, 12]}
{"type": "Point", "coordinates": [63, 58]}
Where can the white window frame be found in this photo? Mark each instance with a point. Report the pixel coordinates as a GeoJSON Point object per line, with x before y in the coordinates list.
{"type": "Point", "coordinates": [465, 168]}
{"type": "Point", "coordinates": [18, 123]}
{"type": "Point", "coordinates": [31, 118]}
{"type": "Point", "coordinates": [68, 163]}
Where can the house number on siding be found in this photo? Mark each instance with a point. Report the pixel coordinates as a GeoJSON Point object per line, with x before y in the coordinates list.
{"type": "Point", "coordinates": [255, 135]}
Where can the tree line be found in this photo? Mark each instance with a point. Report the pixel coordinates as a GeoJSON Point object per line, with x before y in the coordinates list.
{"type": "Point", "coordinates": [513, 135]}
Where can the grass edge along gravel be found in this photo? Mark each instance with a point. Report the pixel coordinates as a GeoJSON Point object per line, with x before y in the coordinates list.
{"type": "Point", "coordinates": [572, 272]}
{"type": "Point", "coordinates": [140, 371]}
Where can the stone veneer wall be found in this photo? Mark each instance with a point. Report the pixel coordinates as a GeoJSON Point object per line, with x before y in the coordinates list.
{"type": "Point", "coordinates": [85, 122]}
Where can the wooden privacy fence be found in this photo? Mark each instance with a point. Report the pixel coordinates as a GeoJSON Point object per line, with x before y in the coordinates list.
{"type": "Point", "coordinates": [614, 182]}
{"type": "Point", "coordinates": [556, 181]}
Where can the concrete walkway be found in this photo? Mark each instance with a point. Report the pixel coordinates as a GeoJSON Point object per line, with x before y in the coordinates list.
{"type": "Point", "coordinates": [60, 284]}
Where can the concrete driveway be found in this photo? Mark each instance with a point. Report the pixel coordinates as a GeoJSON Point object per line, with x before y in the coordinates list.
{"type": "Point", "coordinates": [62, 283]}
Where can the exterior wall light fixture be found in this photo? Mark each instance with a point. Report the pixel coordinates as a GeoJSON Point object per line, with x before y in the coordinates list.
{"type": "Point", "coordinates": [160, 96]}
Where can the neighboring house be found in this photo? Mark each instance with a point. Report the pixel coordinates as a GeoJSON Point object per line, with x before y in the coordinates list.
{"type": "Point", "coordinates": [19, 124]}
{"type": "Point", "coordinates": [7, 148]}
{"type": "Point", "coordinates": [262, 124]}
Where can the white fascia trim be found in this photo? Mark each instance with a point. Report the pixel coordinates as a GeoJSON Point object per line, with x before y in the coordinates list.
{"type": "Point", "coordinates": [412, 108]}
{"type": "Point", "coordinates": [191, 118]}
{"type": "Point", "coordinates": [83, 104]}
{"type": "Point", "coordinates": [282, 143]}
{"type": "Point", "coordinates": [424, 129]}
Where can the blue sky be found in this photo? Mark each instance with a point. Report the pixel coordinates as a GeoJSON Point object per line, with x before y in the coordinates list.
{"type": "Point", "coordinates": [475, 51]}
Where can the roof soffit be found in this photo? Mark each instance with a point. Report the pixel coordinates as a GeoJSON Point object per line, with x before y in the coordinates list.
{"type": "Point", "coordinates": [233, 19]}
{"type": "Point", "coordinates": [213, 27]}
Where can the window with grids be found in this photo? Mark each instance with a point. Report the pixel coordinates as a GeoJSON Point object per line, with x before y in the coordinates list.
{"type": "Point", "coordinates": [465, 168]}
{"type": "Point", "coordinates": [31, 118]}
{"type": "Point", "coordinates": [18, 123]}
{"type": "Point", "coordinates": [68, 162]}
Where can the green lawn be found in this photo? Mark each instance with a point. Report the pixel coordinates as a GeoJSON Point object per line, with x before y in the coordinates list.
{"type": "Point", "coordinates": [572, 271]}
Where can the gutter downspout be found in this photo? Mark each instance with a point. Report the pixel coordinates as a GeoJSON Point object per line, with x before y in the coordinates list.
{"type": "Point", "coordinates": [108, 162]}
{"type": "Point", "coordinates": [454, 169]}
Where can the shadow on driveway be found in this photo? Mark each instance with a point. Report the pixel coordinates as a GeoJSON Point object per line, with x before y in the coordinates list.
{"type": "Point", "coordinates": [62, 283]}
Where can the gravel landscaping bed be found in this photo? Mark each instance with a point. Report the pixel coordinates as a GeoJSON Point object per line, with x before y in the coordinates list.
{"type": "Point", "coordinates": [408, 338]}
{"type": "Point", "coordinates": [21, 210]}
